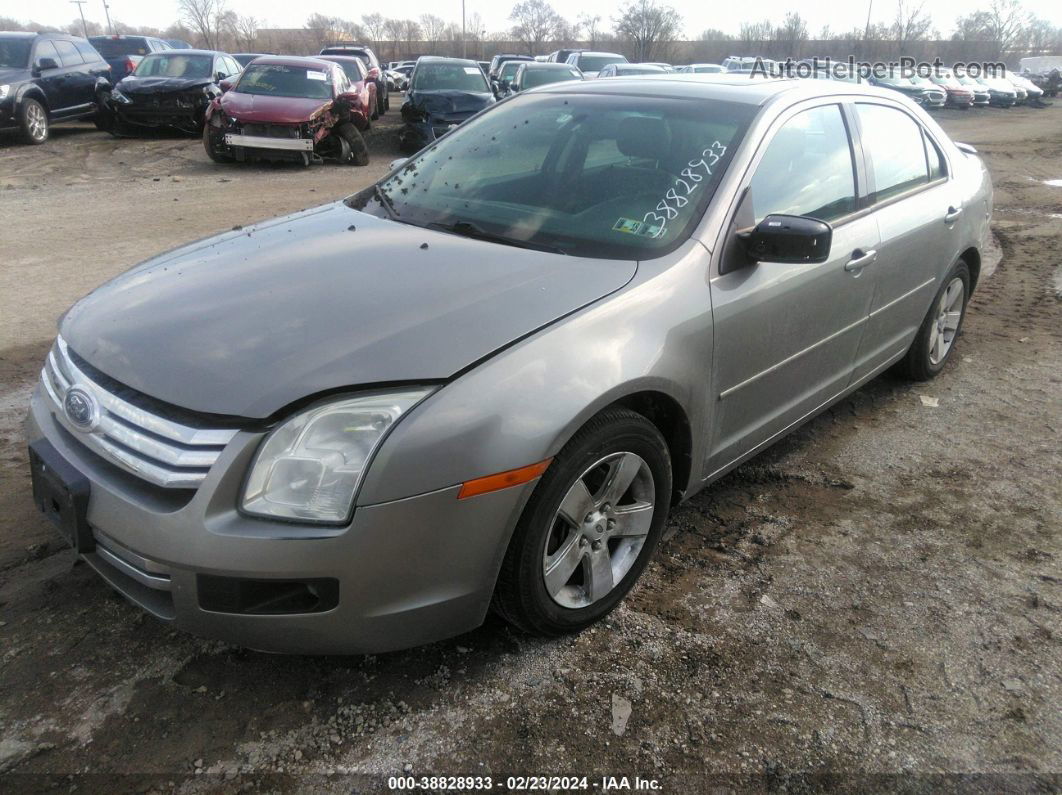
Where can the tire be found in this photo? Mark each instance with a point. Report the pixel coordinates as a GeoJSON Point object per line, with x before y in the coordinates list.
{"type": "Point", "coordinates": [381, 107]}
{"type": "Point", "coordinates": [594, 547]}
{"type": "Point", "coordinates": [359, 152]}
{"type": "Point", "coordinates": [936, 337]}
{"type": "Point", "coordinates": [33, 122]}
{"type": "Point", "coordinates": [217, 158]}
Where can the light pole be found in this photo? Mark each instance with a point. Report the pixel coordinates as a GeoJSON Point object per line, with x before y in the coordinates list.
{"type": "Point", "coordinates": [79, 3]}
{"type": "Point", "coordinates": [464, 38]}
{"type": "Point", "coordinates": [107, 11]}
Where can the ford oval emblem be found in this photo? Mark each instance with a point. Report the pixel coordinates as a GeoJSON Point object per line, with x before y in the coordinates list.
{"type": "Point", "coordinates": [81, 408]}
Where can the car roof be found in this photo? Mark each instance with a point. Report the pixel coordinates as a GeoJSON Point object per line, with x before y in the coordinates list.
{"type": "Point", "coordinates": [597, 52]}
{"type": "Point", "coordinates": [724, 87]}
{"type": "Point", "coordinates": [184, 51]}
{"type": "Point", "coordinates": [444, 59]}
{"type": "Point", "coordinates": [544, 65]}
{"type": "Point", "coordinates": [298, 61]}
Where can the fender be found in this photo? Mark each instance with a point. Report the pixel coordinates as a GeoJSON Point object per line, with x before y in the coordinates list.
{"type": "Point", "coordinates": [31, 91]}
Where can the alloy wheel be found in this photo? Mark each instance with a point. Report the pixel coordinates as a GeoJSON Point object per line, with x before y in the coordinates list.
{"type": "Point", "coordinates": [946, 323]}
{"type": "Point", "coordinates": [36, 122]}
{"type": "Point", "coordinates": [599, 530]}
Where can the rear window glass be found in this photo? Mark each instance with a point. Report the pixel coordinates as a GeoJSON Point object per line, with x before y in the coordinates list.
{"type": "Point", "coordinates": [115, 48]}
{"type": "Point", "coordinates": [68, 53]}
{"type": "Point", "coordinates": [595, 63]}
{"type": "Point", "coordinates": [540, 77]}
{"type": "Point", "coordinates": [896, 148]}
{"type": "Point", "coordinates": [88, 52]}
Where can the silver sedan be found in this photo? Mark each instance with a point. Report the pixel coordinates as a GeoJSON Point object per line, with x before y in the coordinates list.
{"type": "Point", "coordinates": [484, 381]}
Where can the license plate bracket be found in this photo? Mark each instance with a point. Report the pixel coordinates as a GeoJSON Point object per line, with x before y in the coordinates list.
{"type": "Point", "coordinates": [61, 493]}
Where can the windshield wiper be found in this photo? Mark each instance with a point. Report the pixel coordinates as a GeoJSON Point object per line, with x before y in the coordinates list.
{"type": "Point", "coordinates": [469, 229]}
{"type": "Point", "coordinates": [385, 201]}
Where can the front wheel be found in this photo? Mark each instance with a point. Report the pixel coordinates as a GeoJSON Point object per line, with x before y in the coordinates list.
{"type": "Point", "coordinates": [590, 527]}
{"type": "Point", "coordinates": [33, 120]}
{"type": "Point", "coordinates": [936, 336]}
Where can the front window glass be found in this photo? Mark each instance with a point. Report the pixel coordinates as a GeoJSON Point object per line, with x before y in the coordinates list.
{"type": "Point", "coordinates": [595, 63]}
{"type": "Point", "coordinates": [541, 77]}
{"type": "Point", "coordinates": [170, 64]}
{"type": "Point", "coordinates": [898, 155]}
{"type": "Point", "coordinates": [279, 80]}
{"type": "Point", "coordinates": [807, 168]}
{"type": "Point", "coordinates": [617, 176]}
{"type": "Point", "coordinates": [449, 77]}
{"type": "Point", "coordinates": [14, 53]}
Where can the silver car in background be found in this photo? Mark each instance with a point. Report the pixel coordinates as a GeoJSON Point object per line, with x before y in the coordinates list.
{"type": "Point", "coordinates": [484, 381]}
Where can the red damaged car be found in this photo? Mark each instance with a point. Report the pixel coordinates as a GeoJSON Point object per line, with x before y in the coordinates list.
{"type": "Point", "coordinates": [301, 110]}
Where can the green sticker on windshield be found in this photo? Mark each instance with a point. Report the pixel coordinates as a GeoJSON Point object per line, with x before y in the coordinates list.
{"type": "Point", "coordinates": [629, 226]}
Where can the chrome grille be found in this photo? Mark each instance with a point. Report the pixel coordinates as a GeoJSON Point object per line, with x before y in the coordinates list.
{"type": "Point", "coordinates": [157, 449]}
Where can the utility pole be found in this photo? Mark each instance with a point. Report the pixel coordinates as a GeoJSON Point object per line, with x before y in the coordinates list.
{"type": "Point", "coordinates": [79, 3]}
{"type": "Point", "coordinates": [107, 11]}
{"type": "Point", "coordinates": [464, 38]}
{"type": "Point", "coordinates": [866, 31]}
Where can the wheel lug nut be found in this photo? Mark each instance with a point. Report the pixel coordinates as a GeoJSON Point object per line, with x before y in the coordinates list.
{"type": "Point", "coordinates": [596, 546]}
{"type": "Point", "coordinates": [606, 508]}
{"type": "Point", "coordinates": [611, 524]}
{"type": "Point", "coordinates": [583, 542]}
{"type": "Point", "coordinates": [589, 518]}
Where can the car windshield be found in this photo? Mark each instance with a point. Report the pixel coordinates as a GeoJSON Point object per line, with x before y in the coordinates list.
{"type": "Point", "coordinates": [639, 70]}
{"type": "Point", "coordinates": [116, 48]}
{"type": "Point", "coordinates": [508, 71]}
{"type": "Point", "coordinates": [541, 77]}
{"type": "Point", "coordinates": [175, 65]}
{"type": "Point", "coordinates": [449, 77]}
{"type": "Point", "coordinates": [280, 80]}
{"type": "Point", "coordinates": [595, 63]}
{"type": "Point", "coordinates": [613, 176]}
{"type": "Point", "coordinates": [14, 53]}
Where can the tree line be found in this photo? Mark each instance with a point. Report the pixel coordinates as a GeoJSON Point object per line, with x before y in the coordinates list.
{"type": "Point", "coordinates": [643, 30]}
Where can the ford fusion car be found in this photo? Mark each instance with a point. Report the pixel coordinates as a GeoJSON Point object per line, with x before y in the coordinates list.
{"type": "Point", "coordinates": [483, 381]}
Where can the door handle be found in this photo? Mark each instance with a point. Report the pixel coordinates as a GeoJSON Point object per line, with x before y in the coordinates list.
{"type": "Point", "coordinates": [860, 259]}
{"type": "Point", "coordinates": [951, 215]}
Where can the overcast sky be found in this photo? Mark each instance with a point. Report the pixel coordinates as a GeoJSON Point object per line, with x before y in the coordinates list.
{"type": "Point", "coordinates": [697, 14]}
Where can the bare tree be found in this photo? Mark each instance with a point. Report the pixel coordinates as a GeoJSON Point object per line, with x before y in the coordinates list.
{"type": "Point", "coordinates": [244, 31]}
{"type": "Point", "coordinates": [752, 33]}
{"type": "Point", "coordinates": [912, 23]}
{"type": "Point", "coordinates": [374, 25]}
{"type": "Point", "coordinates": [792, 33]}
{"type": "Point", "coordinates": [714, 34]}
{"type": "Point", "coordinates": [411, 33]}
{"type": "Point", "coordinates": [648, 27]}
{"type": "Point", "coordinates": [392, 29]}
{"type": "Point", "coordinates": [204, 18]}
{"type": "Point", "coordinates": [535, 22]}
{"type": "Point", "coordinates": [75, 28]}
{"type": "Point", "coordinates": [1006, 24]}
{"type": "Point", "coordinates": [591, 25]}
{"type": "Point", "coordinates": [434, 28]}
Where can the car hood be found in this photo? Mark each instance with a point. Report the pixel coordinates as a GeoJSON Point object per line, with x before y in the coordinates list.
{"type": "Point", "coordinates": [249, 321]}
{"type": "Point", "coordinates": [276, 110]}
{"type": "Point", "coordinates": [160, 85]}
{"type": "Point", "coordinates": [8, 76]}
{"type": "Point", "coordinates": [444, 103]}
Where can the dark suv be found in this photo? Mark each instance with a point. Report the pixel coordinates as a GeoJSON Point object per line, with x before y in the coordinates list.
{"type": "Point", "coordinates": [124, 52]}
{"type": "Point", "coordinates": [47, 78]}
{"type": "Point", "coordinates": [372, 63]}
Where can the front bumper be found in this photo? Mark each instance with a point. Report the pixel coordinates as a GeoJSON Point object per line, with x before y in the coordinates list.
{"type": "Point", "coordinates": [164, 114]}
{"type": "Point", "coordinates": [265, 142]}
{"type": "Point", "coordinates": [408, 572]}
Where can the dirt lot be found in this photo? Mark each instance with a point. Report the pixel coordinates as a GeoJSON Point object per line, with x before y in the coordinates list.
{"type": "Point", "coordinates": [878, 596]}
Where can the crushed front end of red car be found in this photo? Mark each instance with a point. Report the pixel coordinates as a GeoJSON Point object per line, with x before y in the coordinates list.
{"type": "Point", "coordinates": [287, 109]}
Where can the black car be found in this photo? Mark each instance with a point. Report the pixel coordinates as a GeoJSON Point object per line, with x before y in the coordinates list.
{"type": "Point", "coordinates": [442, 93]}
{"type": "Point", "coordinates": [561, 56]}
{"type": "Point", "coordinates": [532, 75]}
{"type": "Point", "coordinates": [498, 61]}
{"type": "Point", "coordinates": [368, 57]}
{"type": "Point", "coordinates": [47, 78]}
{"type": "Point", "coordinates": [244, 58]}
{"type": "Point", "coordinates": [123, 52]}
{"type": "Point", "coordinates": [170, 90]}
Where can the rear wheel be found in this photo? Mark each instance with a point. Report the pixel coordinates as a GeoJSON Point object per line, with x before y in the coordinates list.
{"type": "Point", "coordinates": [590, 526]}
{"type": "Point", "coordinates": [941, 327]}
{"type": "Point", "coordinates": [33, 120]}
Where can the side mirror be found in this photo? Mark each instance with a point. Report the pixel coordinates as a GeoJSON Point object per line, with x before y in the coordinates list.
{"type": "Point", "coordinates": [792, 239]}
{"type": "Point", "coordinates": [46, 63]}
{"type": "Point", "coordinates": [225, 85]}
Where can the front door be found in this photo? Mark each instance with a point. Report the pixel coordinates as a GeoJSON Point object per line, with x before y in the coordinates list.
{"type": "Point", "coordinates": [786, 335]}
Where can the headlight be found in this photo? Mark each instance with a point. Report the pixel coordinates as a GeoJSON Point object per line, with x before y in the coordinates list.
{"type": "Point", "coordinates": [309, 468]}
{"type": "Point", "coordinates": [118, 96]}
{"type": "Point", "coordinates": [4, 91]}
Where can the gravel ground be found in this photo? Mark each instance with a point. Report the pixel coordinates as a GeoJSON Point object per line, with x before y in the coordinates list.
{"type": "Point", "coordinates": [873, 604]}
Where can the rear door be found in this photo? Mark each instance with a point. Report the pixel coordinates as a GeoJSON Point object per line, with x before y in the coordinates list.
{"type": "Point", "coordinates": [915, 206]}
{"type": "Point", "coordinates": [77, 84]}
{"type": "Point", "coordinates": [786, 335]}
